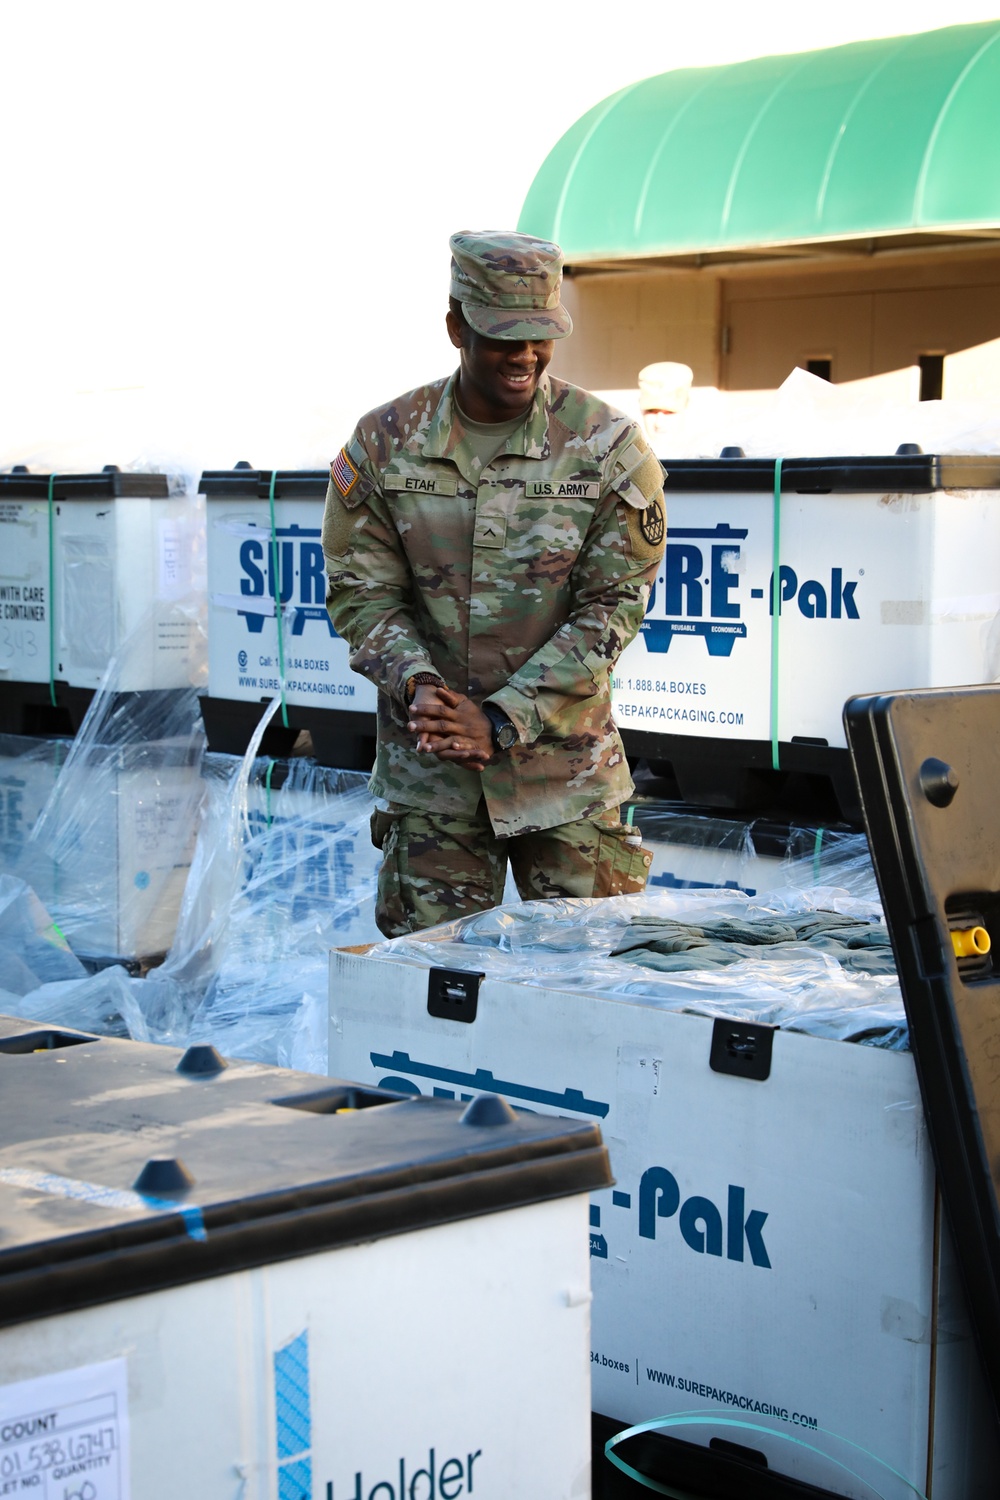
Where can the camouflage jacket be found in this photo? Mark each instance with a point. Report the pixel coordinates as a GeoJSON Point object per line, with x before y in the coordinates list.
{"type": "Point", "coordinates": [521, 584]}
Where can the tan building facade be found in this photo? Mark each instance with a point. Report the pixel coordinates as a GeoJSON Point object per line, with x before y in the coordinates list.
{"type": "Point", "coordinates": [745, 326]}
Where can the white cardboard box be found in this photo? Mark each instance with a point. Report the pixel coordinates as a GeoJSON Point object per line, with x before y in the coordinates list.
{"type": "Point", "coordinates": [24, 590]}
{"type": "Point", "coordinates": [243, 648]}
{"type": "Point", "coordinates": [772, 1251]}
{"type": "Point", "coordinates": [118, 562]}
{"type": "Point", "coordinates": [349, 1292]}
{"type": "Point", "coordinates": [113, 851]}
{"type": "Point", "coordinates": [123, 563]}
{"type": "Point", "coordinates": [28, 771]}
{"type": "Point", "coordinates": [400, 1355]}
{"type": "Point", "coordinates": [879, 591]}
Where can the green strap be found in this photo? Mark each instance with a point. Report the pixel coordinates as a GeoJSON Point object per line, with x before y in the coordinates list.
{"type": "Point", "coordinates": [630, 815]}
{"type": "Point", "coordinates": [817, 850]}
{"type": "Point", "coordinates": [701, 1419]}
{"type": "Point", "coordinates": [52, 592]}
{"type": "Point", "coordinates": [267, 790]}
{"type": "Point", "coordinates": [277, 600]}
{"type": "Point", "coordinates": [775, 611]}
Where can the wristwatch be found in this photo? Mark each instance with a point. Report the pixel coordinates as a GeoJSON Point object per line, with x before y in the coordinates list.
{"type": "Point", "coordinates": [502, 731]}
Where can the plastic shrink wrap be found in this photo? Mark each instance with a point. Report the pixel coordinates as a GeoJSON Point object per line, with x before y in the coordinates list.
{"type": "Point", "coordinates": [697, 851]}
{"type": "Point", "coordinates": [283, 871]}
{"type": "Point", "coordinates": [567, 945]}
{"type": "Point", "coordinates": [109, 852]}
{"type": "Point", "coordinates": [42, 980]}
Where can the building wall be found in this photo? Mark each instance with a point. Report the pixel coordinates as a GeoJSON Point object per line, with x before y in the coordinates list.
{"type": "Point", "coordinates": [746, 327]}
{"type": "Point", "coordinates": [624, 320]}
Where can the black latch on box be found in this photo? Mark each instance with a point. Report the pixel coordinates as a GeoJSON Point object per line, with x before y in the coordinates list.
{"type": "Point", "coordinates": [453, 994]}
{"type": "Point", "coordinates": [741, 1048]}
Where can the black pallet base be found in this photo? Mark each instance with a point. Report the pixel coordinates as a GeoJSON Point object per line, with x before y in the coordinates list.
{"type": "Point", "coordinates": [723, 1471]}
{"type": "Point", "coordinates": [345, 741]}
{"type": "Point", "coordinates": [27, 708]}
{"type": "Point", "coordinates": [815, 781]}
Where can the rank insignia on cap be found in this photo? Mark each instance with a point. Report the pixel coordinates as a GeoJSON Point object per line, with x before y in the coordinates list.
{"type": "Point", "coordinates": [343, 473]}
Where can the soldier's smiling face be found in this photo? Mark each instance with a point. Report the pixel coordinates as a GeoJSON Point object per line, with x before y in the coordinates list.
{"type": "Point", "coordinates": [498, 377]}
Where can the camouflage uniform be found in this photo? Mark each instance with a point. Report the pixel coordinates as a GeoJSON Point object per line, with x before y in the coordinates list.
{"type": "Point", "coordinates": [519, 585]}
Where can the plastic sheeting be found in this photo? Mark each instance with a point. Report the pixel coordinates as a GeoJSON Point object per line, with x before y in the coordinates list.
{"type": "Point", "coordinates": [110, 850]}
{"type": "Point", "coordinates": [566, 945]}
{"type": "Point", "coordinates": [28, 771]}
{"type": "Point", "coordinates": [260, 866]}
{"type": "Point", "coordinates": [40, 979]}
{"type": "Point", "coordinates": [694, 851]}
{"type": "Point", "coordinates": [283, 871]}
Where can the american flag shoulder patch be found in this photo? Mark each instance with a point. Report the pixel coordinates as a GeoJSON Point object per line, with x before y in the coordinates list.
{"type": "Point", "coordinates": [343, 473]}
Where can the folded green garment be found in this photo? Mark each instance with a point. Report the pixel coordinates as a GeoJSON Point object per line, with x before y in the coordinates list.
{"type": "Point", "coordinates": [661, 943]}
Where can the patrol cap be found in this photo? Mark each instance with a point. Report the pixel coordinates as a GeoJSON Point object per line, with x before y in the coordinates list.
{"type": "Point", "coordinates": [665, 386]}
{"type": "Point", "coordinates": [508, 284]}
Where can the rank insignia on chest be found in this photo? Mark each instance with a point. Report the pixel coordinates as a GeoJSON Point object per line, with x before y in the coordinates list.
{"type": "Point", "coordinates": [343, 473]}
{"type": "Point", "coordinates": [491, 530]}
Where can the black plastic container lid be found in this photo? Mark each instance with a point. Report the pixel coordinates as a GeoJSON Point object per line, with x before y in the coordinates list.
{"type": "Point", "coordinates": [255, 484]}
{"type": "Point", "coordinates": [20, 485]}
{"type": "Point", "coordinates": [928, 768]}
{"type": "Point", "coordinates": [251, 1165]}
{"type": "Point", "coordinates": [903, 473]}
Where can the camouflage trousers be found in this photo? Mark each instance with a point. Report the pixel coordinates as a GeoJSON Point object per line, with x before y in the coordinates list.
{"type": "Point", "coordinates": [437, 867]}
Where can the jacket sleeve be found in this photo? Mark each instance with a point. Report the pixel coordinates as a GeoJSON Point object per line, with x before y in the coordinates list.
{"type": "Point", "coordinates": [611, 579]}
{"type": "Point", "coordinates": [369, 591]}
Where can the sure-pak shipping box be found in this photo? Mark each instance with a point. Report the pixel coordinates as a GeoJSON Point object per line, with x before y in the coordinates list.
{"type": "Point", "coordinates": [772, 1251]}
{"type": "Point", "coordinates": [268, 629]}
{"type": "Point", "coordinates": [887, 572]}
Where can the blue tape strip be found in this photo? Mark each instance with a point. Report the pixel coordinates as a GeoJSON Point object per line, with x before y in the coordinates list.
{"type": "Point", "coordinates": [710, 1419]}
{"type": "Point", "coordinates": [291, 1397]}
{"type": "Point", "coordinates": [295, 1480]}
{"type": "Point", "coordinates": [104, 1197]}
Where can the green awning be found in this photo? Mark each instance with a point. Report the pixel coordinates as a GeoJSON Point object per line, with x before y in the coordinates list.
{"type": "Point", "coordinates": [892, 138]}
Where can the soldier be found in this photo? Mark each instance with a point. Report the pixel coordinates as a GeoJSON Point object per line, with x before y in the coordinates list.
{"type": "Point", "coordinates": [490, 543]}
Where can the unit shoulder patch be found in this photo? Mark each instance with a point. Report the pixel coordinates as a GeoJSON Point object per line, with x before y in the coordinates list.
{"type": "Point", "coordinates": [652, 524]}
{"type": "Point", "coordinates": [647, 530]}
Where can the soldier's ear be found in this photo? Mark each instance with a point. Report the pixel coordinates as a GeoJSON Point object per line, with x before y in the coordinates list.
{"type": "Point", "coordinates": [456, 329]}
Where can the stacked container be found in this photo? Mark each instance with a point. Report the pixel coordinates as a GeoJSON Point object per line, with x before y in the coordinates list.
{"type": "Point", "coordinates": [89, 562]}
{"type": "Point", "coordinates": [887, 573]}
{"type": "Point", "coordinates": [269, 633]}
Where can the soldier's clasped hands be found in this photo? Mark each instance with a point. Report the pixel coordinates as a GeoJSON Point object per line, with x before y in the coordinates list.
{"type": "Point", "coordinates": [449, 725]}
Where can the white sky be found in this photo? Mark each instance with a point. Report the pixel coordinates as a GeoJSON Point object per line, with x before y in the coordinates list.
{"type": "Point", "coordinates": [225, 225]}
